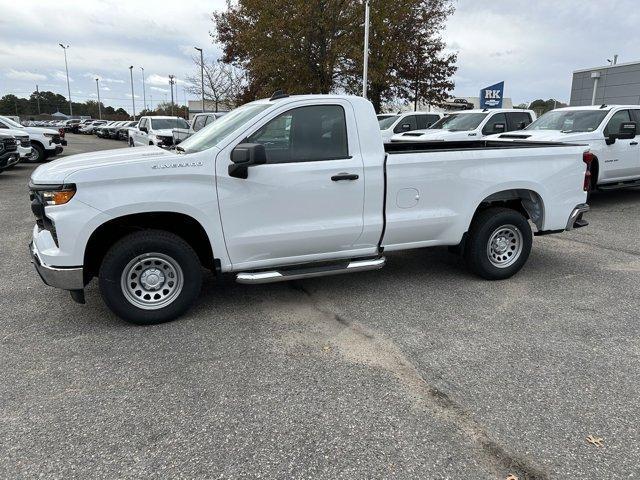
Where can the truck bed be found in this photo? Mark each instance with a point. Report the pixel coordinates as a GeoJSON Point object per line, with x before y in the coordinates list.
{"type": "Point", "coordinates": [416, 147]}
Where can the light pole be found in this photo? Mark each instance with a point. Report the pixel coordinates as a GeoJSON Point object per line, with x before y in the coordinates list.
{"type": "Point", "coordinates": [133, 99]}
{"type": "Point", "coordinates": [201, 75]}
{"type": "Point", "coordinates": [99, 107]}
{"type": "Point", "coordinates": [365, 68]}
{"type": "Point", "coordinates": [144, 93]}
{"type": "Point", "coordinates": [171, 83]}
{"type": "Point", "coordinates": [38, 98]}
{"type": "Point", "coordinates": [66, 67]}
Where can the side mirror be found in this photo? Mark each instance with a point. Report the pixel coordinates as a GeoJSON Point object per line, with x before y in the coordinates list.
{"type": "Point", "coordinates": [244, 156]}
{"type": "Point", "coordinates": [144, 129]}
{"type": "Point", "coordinates": [499, 128]}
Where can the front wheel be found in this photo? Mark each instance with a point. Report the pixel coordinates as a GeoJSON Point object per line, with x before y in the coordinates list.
{"type": "Point", "coordinates": [499, 243]}
{"type": "Point", "coordinates": [150, 277]}
{"type": "Point", "coordinates": [37, 154]}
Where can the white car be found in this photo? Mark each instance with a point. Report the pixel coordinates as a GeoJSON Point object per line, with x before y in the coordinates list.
{"type": "Point", "coordinates": [391, 125]}
{"type": "Point", "coordinates": [156, 131]}
{"type": "Point", "coordinates": [471, 125]}
{"type": "Point", "coordinates": [610, 131]}
{"type": "Point", "coordinates": [45, 142]}
{"type": "Point", "coordinates": [289, 188]}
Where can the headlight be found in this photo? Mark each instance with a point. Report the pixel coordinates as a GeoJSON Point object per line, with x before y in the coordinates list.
{"type": "Point", "coordinates": [58, 196]}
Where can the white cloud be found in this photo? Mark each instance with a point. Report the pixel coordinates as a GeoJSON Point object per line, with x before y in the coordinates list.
{"type": "Point", "coordinates": [102, 79]}
{"type": "Point", "coordinates": [158, 89]}
{"type": "Point", "coordinates": [60, 76]}
{"type": "Point", "coordinates": [159, 80]}
{"type": "Point", "coordinates": [24, 75]}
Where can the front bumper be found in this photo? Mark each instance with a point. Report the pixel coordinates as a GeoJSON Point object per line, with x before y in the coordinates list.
{"type": "Point", "coordinates": [575, 219]}
{"type": "Point", "coordinates": [66, 278]}
{"type": "Point", "coordinates": [25, 152]}
{"type": "Point", "coordinates": [8, 160]}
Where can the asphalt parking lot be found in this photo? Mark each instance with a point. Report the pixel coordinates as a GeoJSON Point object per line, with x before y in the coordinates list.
{"type": "Point", "coordinates": [416, 371]}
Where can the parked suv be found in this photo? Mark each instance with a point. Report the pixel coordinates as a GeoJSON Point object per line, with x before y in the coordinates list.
{"type": "Point", "coordinates": [471, 125]}
{"type": "Point", "coordinates": [155, 131]}
{"type": "Point", "coordinates": [45, 142]}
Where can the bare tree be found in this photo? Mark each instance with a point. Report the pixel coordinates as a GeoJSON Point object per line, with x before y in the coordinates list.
{"type": "Point", "coordinates": [223, 84]}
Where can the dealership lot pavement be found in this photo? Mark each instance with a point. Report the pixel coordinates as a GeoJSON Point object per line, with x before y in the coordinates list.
{"type": "Point", "coordinates": [416, 371]}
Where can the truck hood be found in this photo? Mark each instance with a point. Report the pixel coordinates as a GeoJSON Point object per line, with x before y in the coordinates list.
{"type": "Point", "coordinates": [41, 130]}
{"type": "Point", "coordinates": [166, 132]}
{"type": "Point", "coordinates": [436, 135]}
{"type": "Point", "coordinates": [58, 170]}
{"type": "Point", "coordinates": [546, 136]}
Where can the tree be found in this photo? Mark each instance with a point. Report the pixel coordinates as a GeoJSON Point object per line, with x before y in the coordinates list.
{"type": "Point", "coordinates": [316, 46]}
{"type": "Point", "coordinates": [297, 45]}
{"type": "Point", "coordinates": [223, 84]}
{"type": "Point", "coordinates": [543, 106]}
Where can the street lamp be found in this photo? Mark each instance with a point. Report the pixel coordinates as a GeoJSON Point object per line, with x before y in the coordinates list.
{"type": "Point", "coordinates": [171, 83]}
{"type": "Point", "coordinates": [133, 99]}
{"type": "Point", "coordinates": [201, 75]}
{"type": "Point", "coordinates": [365, 68]}
{"type": "Point", "coordinates": [144, 93]}
{"type": "Point", "coordinates": [99, 107]}
{"type": "Point", "coordinates": [66, 67]}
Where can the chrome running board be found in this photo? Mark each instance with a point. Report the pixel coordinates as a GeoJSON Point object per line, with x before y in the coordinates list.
{"type": "Point", "coordinates": [309, 271]}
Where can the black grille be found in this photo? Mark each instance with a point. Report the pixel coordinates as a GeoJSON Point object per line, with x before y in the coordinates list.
{"type": "Point", "coordinates": [10, 144]}
{"type": "Point", "coordinates": [56, 139]}
{"type": "Point", "coordinates": [43, 222]}
{"type": "Point", "coordinates": [24, 141]}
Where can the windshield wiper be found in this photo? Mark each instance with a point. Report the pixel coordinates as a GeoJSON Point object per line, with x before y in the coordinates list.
{"type": "Point", "coordinates": [180, 149]}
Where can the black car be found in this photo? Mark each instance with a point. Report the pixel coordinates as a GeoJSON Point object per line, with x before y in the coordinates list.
{"type": "Point", "coordinates": [9, 155]}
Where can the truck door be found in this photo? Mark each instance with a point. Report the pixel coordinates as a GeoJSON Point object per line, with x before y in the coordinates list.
{"type": "Point", "coordinates": [621, 158]}
{"type": "Point", "coordinates": [306, 203]}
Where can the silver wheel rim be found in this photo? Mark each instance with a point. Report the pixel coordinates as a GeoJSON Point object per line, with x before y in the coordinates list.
{"type": "Point", "coordinates": [505, 246]}
{"type": "Point", "coordinates": [33, 156]}
{"type": "Point", "coordinates": [152, 281]}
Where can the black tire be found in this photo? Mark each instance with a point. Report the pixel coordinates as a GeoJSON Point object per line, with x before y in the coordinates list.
{"type": "Point", "coordinates": [131, 142]}
{"type": "Point", "coordinates": [140, 247]}
{"type": "Point", "coordinates": [513, 233]}
{"type": "Point", "coordinates": [38, 154]}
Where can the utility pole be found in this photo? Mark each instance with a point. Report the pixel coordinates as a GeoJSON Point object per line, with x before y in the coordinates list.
{"type": "Point", "coordinates": [133, 98]}
{"type": "Point", "coordinates": [38, 98]}
{"type": "Point", "coordinates": [171, 84]}
{"type": "Point", "coordinates": [201, 75]}
{"type": "Point", "coordinates": [365, 68]}
{"type": "Point", "coordinates": [66, 67]}
{"type": "Point", "coordinates": [144, 93]}
{"type": "Point", "coordinates": [99, 106]}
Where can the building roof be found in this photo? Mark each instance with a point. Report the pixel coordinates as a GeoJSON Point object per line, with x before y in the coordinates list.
{"type": "Point", "coordinates": [606, 67]}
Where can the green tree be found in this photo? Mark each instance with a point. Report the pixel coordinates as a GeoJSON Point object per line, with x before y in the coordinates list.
{"type": "Point", "coordinates": [543, 106]}
{"type": "Point", "coordinates": [316, 46]}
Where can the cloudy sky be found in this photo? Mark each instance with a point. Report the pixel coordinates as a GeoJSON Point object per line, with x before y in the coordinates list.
{"type": "Point", "coordinates": [532, 45]}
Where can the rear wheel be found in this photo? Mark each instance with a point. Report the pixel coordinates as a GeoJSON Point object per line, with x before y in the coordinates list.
{"type": "Point", "coordinates": [150, 277]}
{"type": "Point", "coordinates": [499, 243]}
{"type": "Point", "coordinates": [37, 155]}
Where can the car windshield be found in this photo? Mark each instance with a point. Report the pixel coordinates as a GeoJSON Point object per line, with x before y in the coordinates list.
{"type": "Point", "coordinates": [460, 122]}
{"type": "Point", "coordinates": [568, 121]}
{"type": "Point", "coordinates": [11, 123]}
{"type": "Point", "coordinates": [167, 123]}
{"type": "Point", "coordinates": [215, 132]}
{"type": "Point", "coordinates": [386, 122]}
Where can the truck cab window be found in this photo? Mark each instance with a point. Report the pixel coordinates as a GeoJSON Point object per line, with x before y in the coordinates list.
{"type": "Point", "coordinates": [305, 134]}
{"type": "Point", "coordinates": [618, 119]}
{"type": "Point", "coordinates": [199, 122]}
{"type": "Point", "coordinates": [497, 119]}
{"type": "Point", "coordinates": [407, 124]}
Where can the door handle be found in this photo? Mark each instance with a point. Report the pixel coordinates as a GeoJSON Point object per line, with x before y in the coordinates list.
{"type": "Point", "coordinates": [633, 143]}
{"type": "Point", "coordinates": [345, 176]}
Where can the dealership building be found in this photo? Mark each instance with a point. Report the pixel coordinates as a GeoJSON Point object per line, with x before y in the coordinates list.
{"type": "Point", "coordinates": [611, 85]}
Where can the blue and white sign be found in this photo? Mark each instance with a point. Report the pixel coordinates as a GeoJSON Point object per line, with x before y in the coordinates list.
{"type": "Point", "coordinates": [491, 97]}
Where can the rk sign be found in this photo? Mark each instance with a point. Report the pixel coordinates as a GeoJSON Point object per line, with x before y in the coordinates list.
{"type": "Point", "coordinates": [491, 97]}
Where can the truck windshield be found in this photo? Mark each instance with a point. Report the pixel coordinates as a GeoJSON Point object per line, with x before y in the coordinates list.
{"type": "Point", "coordinates": [166, 123]}
{"type": "Point", "coordinates": [568, 121]}
{"type": "Point", "coordinates": [387, 122]}
{"type": "Point", "coordinates": [215, 132]}
{"type": "Point", "coordinates": [460, 122]}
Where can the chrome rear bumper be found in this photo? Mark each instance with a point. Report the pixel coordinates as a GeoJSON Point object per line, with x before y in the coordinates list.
{"type": "Point", "coordinates": [575, 219]}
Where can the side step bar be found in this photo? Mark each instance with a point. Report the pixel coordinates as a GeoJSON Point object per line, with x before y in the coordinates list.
{"type": "Point", "coordinates": [617, 186]}
{"type": "Point", "coordinates": [284, 275]}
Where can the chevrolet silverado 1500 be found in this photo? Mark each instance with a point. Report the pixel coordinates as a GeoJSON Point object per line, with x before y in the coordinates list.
{"type": "Point", "coordinates": [290, 188]}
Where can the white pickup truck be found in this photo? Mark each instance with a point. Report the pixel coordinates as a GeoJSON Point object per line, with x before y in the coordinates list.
{"type": "Point", "coordinates": [199, 121]}
{"type": "Point", "coordinates": [610, 131]}
{"type": "Point", "coordinates": [156, 131]}
{"type": "Point", "coordinates": [289, 188]}
{"type": "Point", "coordinates": [471, 125]}
{"type": "Point", "coordinates": [44, 142]}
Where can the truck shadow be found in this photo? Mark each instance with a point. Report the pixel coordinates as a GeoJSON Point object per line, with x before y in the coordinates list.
{"type": "Point", "coordinates": [614, 198]}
